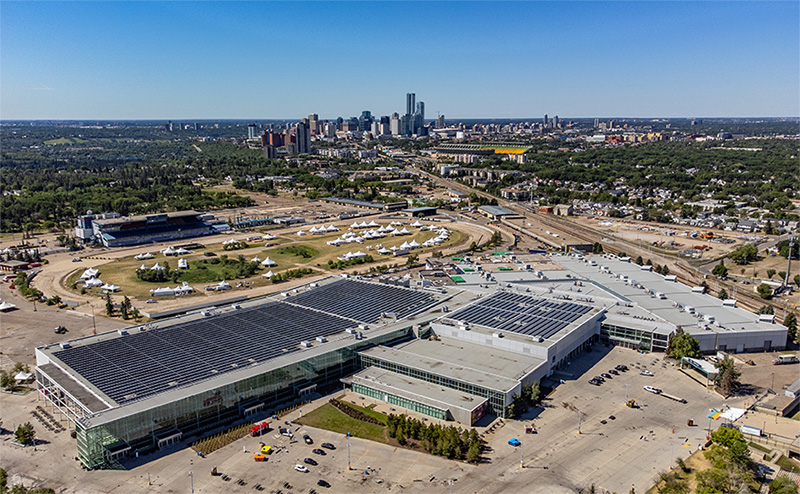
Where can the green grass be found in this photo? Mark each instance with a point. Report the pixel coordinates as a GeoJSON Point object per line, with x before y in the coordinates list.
{"type": "Point", "coordinates": [788, 464]}
{"type": "Point", "coordinates": [329, 418]}
{"type": "Point", "coordinates": [65, 140]}
{"type": "Point", "coordinates": [759, 447]}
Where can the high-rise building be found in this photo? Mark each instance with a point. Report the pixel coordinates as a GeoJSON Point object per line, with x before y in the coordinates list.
{"type": "Point", "coordinates": [596, 122]}
{"type": "Point", "coordinates": [440, 124]}
{"type": "Point", "coordinates": [330, 129]}
{"type": "Point", "coordinates": [545, 121]}
{"type": "Point", "coordinates": [555, 122]}
{"type": "Point", "coordinates": [313, 123]}
{"type": "Point", "coordinates": [303, 137]}
{"type": "Point", "coordinates": [421, 110]}
{"type": "Point", "coordinates": [410, 97]}
{"type": "Point", "coordinates": [394, 124]}
{"type": "Point", "coordinates": [252, 131]}
{"type": "Point", "coordinates": [365, 121]}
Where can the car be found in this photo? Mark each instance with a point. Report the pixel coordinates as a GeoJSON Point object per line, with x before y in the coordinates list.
{"type": "Point", "coordinates": [612, 417]}
{"type": "Point", "coordinates": [60, 330]}
{"type": "Point", "coordinates": [209, 254]}
{"type": "Point", "coordinates": [308, 439]}
{"type": "Point", "coordinates": [614, 372]}
{"type": "Point", "coordinates": [328, 446]}
{"type": "Point", "coordinates": [310, 461]}
{"type": "Point", "coordinates": [646, 373]}
{"type": "Point", "coordinates": [606, 375]}
{"type": "Point", "coordinates": [318, 451]}
{"type": "Point", "coordinates": [621, 367]}
{"type": "Point", "coordinates": [603, 422]}
{"type": "Point", "coordinates": [151, 301]}
{"type": "Point", "coordinates": [76, 259]}
{"type": "Point", "coordinates": [598, 378]}
{"type": "Point", "coordinates": [301, 468]}
{"type": "Point", "coordinates": [594, 382]}
{"type": "Point", "coordinates": [652, 389]}
{"type": "Point", "coordinates": [514, 441]}
{"type": "Point", "coordinates": [323, 483]}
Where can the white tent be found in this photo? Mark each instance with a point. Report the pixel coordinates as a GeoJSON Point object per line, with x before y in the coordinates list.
{"type": "Point", "coordinates": [230, 242]}
{"type": "Point", "coordinates": [332, 228]}
{"type": "Point", "coordinates": [301, 233]}
{"type": "Point", "coordinates": [159, 292]}
{"type": "Point", "coordinates": [157, 266]}
{"type": "Point", "coordinates": [5, 306]}
{"type": "Point", "coordinates": [404, 231]}
{"type": "Point", "coordinates": [416, 224]}
{"type": "Point", "coordinates": [354, 225]}
{"type": "Point", "coordinates": [394, 247]}
{"type": "Point", "coordinates": [182, 264]}
{"type": "Point", "coordinates": [405, 245]}
{"type": "Point", "coordinates": [183, 289]}
{"type": "Point", "coordinates": [313, 230]}
{"type": "Point", "coordinates": [181, 251]}
{"type": "Point", "coordinates": [363, 224]}
{"type": "Point", "coordinates": [90, 273]}
{"type": "Point", "coordinates": [169, 251]}
{"type": "Point", "coordinates": [92, 282]}
{"type": "Point", "coordinates": [336, 242]}
{"type": "Point", "coordinates": [110, 287]}
{"type": "Point", "coordinates": [268, 262]}
{"type": "Point", "coordinates": [396, 223]}
{"type": "Point", "coordinates": [222, 285]}
{"type": "Point", "coordinates": [269, 237]}
{"type": "Point", "coordinates": [359, 254]}
{"type": "Point", "coordinates": [255, 259]}
{"type": "Point", "coordinates": [142, 267]}
{"type": "Point", "coordinates": [23, 376]}
{"type": "Point", "coordinates": [268, 274]}
{"type": "Point", "coordinates": [384, 251]}
{"type": "Point", "coordinates": [146, 255]}
{"type": "Point", "coordinates": [372, 224]}
{"type": "Point", "coordinates": [414, 244]}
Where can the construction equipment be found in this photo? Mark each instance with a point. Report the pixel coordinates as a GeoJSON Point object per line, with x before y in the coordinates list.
{"type": "Point", "coordinates": [259, 457]}
{"type": "Point", "coordinates": [631, 404]}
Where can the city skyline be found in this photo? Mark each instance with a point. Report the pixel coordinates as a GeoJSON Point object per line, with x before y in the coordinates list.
{"type": "Point", "coordinates": [200, 61]}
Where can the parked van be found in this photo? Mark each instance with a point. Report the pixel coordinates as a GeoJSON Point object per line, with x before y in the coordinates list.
{"type": "Point", "coordinates": [785, 359]}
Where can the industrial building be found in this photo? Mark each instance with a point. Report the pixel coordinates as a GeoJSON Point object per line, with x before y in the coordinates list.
{"type": "Point", "coordinates": [454, 352]}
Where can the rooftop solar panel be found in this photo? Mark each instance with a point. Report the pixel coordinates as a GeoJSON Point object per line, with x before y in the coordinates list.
{"type": "Point", "coordinates": [147, 363]}
{"type": "Point", "coordinates": [521, 314]}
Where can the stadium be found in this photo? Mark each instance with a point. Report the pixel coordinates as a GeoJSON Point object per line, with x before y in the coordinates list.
{"type": "Point", "coordinates": [457, 351]}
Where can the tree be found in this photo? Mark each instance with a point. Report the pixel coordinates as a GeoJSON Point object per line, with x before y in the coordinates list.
{"type": "Point", "coordinates": [791, 324]}
{"type": "Point", "coordinates": [744, 254]}
{"type": "Point", "coordinates": [766, 309]}
{"type": "Point", "coordinates": [764, 291]}
{"type": "Point", "coordinates": [474, 452]}
{"type": "Point", "coordinates": [639, 260]}
{"type": "Point", "coordinates": [723, 294]}
{"type": "Point", "coordinates": [728, 376]}
{"type": "Point", "coordinates": [6, 380]}
{"type": "Point", "coordinates": [683, 344]}
{"type": "Point", "coordinates": [412, 259]}
{"type": "Point", "coordinates": [797, 280]}
{"type": "Point", "coordinates": [782, 485]}
{"type": "Point", "coordinates": [473, 247]}
{"type": "Point", "coordinates": [25, 434]}
{"type": "Point", "coordinates": [781, 275]}
{"type": "Point", "coordinates": [720, 270]}
{"type": "Point", "coordinates": [771, 273]}
{"type": "Point", "coordinates": [597, 248]}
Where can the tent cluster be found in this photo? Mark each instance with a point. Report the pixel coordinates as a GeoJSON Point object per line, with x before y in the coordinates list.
{"type": "Point", "coordinates": [181, 289]}
{"type": "Point", "coordinates": [146, 255]}
{"type": "Point", "coordinates": [358, 226]}
{"type": "Point", "coordinates": [353, 255]}
{"type": "Point", "coordinates": [217, 287]}
{"type": "Point", "coordinates": [90, 273]}
{"type": "Point", "coordinates": [180, 251]}
{"type": "Point", "coordinates": [371, 234]}
{"type": "Point", "coordinates": [322, 230]}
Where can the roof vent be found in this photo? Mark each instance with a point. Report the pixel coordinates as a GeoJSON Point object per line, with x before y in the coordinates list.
{"type": "Point", "coordinates": [236, 306]}
{"type": "Point", "coordinates": [497, 335]}
{"type": "Point", "coordinates": [305, 344]}
{"type": "Point", "coordinates": [321, 339]}
{"type": "Point", "coordinates": [122, 332]}
{"type": "Point", "coordinates": [64, 345]}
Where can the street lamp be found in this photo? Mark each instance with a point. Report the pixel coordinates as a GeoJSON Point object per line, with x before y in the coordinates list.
{"type": "Point", "coordinates": [521, 454]}
{"type": "Point", "coordinates": [580, 419]}
{"type": "Point", "coordinates": [191, 479]}
{"type": "Point", "coordinates": [348, 456]}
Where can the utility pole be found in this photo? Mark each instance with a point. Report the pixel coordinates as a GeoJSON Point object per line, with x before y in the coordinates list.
{"type": "Point", "coordinates": [94, 324]}
{"type": "Point", "coordinates": [521, 454]}
{"type": "Point", "coordinates": [348, 457]}
{"type": "Point", "coordinates": [191, 479]}
{"type": "Point", "coordinates": [580, 419]}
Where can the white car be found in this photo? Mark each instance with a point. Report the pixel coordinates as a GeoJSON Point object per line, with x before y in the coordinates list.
{"type": "Point", "coordinates": [301, 468]}
{"type": "Point", "coordinates": [652, 389]}
{"type": "Point", "coordinates": [647, 373]}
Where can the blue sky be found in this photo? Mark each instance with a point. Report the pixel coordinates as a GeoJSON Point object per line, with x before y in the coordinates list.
{"type": "Point", "coordinates": [198, 60]}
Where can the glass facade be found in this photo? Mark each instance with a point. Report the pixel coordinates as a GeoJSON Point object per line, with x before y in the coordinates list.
{"type": "Point", "coordinates": [627, 337]}
{"type": "Point", "coordinates": [497, 399]}
{"type": "Point", "coordinates": [399, 401]}
{"type": "Point", "coordinates": [192, 417]}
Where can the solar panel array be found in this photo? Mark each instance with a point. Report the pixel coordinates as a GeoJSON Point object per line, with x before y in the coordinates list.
{"type": "Point", "coordinates": [146, 363]}
{"type": "Point", "coordinates": [521, 314]}
{"type": "Point", "coordinates": [362, 301]}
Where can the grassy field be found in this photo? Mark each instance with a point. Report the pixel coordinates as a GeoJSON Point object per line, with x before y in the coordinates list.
{"type": "Point", "coordinates": [65, 140]}
{"type": "Point", "coordinates": [292, 252]}
{"type": "Point", "coordinates": [329, 418]}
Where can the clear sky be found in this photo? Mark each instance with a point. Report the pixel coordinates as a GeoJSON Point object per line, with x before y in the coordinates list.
{"type": "Point", "coordinates": [213, 60]}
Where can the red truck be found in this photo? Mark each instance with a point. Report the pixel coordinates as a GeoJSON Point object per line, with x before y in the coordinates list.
{"type": "Point", "coordinates": [259, 429]}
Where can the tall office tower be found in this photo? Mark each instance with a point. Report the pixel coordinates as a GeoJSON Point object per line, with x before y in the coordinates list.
{"type": "Point", "coordinates": [252, 131]}
{"type": "Point", "coordinates": [610, 124]}
{"type": "Point", "coordinates": [596, 122]}
{"type": "Point", "coordinates": [168, 126]}
{"type": "Point", "coordinates": [385, 119]}
{"type": "Point", "coordinates": [410, 97]}
{"type": "Point", "coordinates": [303, 137]}
{"type": "Point", "coordinates": [546, 121]}
{"type": "Point", "coordinates": [313, 123]}
{"type": "Point", "coordinates": [421, 109]}
{"type": "Point", "coordinates": [339, 122]}
{"type": "Point", "coordinates": [375, 128]}
{"type": "Point", "coordinates": [365, 121]}
{"type": "Point", "coordinates": [330, 129]}
{"type": "Point", "coordinates": [440, 124]}
{"type": "Point", "coordinates": [555, 121]}
{"type": "Point", "coordinates": [406, 125]}
{"type": "Point", "coordinates": [394, 124]}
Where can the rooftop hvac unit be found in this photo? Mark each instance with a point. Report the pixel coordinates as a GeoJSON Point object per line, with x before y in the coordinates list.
{"type": "Point", "coordinates": [709, 318]}
{"type": "Point", "coordinates": [64, 345]}
{"type": "Point", "coordinates": [205, 313]}
{"type": "Point", "coordinates": [236, 306]}
{"type": "Point", "coordinates": [698, 289]}
{"type": "Point", "coordinates": [729, 302]}
{"type": "Point", "coordinates": [122, 332]}
{"type": "Point", "coordinates": [321, 339]}
{"type": "Point", "coordinates": [350, 330]}
{"type": "Point", "coordinates": [540, 339]}
{"type": "Point", "coordinates": [769, 318]}
{"type": "Point", "coordinates": [363, 326]}
{"type": "Point", "coordinates": [305, 344]}
{"type": "Point", "coordinates": [445, 308]}
{"type": "Point", "coordinates": [497, 335]}
{"type": "Point", "coordinates": [464, 325]}
{"type": "Point", "coordinates": [313, 285]}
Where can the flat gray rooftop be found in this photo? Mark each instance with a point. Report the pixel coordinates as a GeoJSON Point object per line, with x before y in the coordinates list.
{"type": "Point", "coordinates": [469, 362]}
{"type": "Point", "coordinates": [415, 389]}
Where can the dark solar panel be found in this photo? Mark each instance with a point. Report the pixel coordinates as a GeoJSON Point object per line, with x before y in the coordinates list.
{"type": "Point", "coordinates": [147, 363]}
{"type": "Point", "coordinates": [363, 301]}
{"type": "Point", "coordinates": [521, 314]}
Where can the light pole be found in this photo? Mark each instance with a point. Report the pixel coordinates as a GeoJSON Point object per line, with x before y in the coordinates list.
{"type": "Point", "coordinates": [191, 479]}
{"type": "Point", "coordinates": [772, 388]}
{"type": "Point", "coordinates": [580, 419]}
{"type": "Point", "coordinates": [348, 456]}
{"type": "Point", "coordinates": [521, 454]}
{"type": "Point", "coordinates": [672, 455]}
{"type": "Point", "coordinates": [94, 324]}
